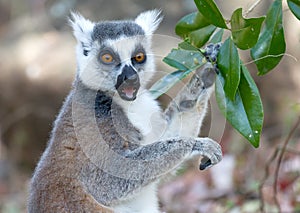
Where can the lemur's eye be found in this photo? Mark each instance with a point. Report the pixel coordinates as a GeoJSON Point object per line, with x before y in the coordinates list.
{"type": "Point", "coordinates": [139, 57]}
{"type": "Point", "coordinates": [107, 58]}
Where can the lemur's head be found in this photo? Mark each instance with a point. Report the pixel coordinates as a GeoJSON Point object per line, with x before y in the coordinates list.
{"type": "Point", "coordinates": [116, 56]}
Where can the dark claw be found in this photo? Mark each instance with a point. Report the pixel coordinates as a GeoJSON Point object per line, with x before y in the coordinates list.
{"type": "Point", "coordinates": [205, 162]}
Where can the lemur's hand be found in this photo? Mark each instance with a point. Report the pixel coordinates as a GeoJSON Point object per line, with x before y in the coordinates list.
{"type": "Point", "coordinates": [199, 88]}
{"type": "Point", "coordinates": [210, 150]}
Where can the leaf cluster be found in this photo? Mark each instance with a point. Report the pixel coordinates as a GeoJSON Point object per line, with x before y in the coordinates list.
{"type": "Point", "coordinates": [236, 92]}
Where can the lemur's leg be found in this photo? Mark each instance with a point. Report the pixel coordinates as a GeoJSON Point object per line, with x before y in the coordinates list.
{"type": "Point", "coordinates": [186, 112]}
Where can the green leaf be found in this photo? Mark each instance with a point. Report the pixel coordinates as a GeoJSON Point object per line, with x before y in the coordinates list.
{"type": "Point", "coordinates": [229, 66]}
{"type": "Point", "coordinates": [211, 12]}
{"type": "Point", "coordinates": [167, 82]}
{"type": "Point", "coordinates": [199, 37]}
{"type": "Point", "coordinates": [245, 113]}
{"type": "Point", "coordinates": [190, 23]}
{"type": "Point", "coordinates": [184, 59]}
{"type": "Point", "coordinates": [252, 104]}
{"type": "Point", "coordinates": [294, 6]}
{"type": "Point", "coordinates": [187, 46]}
{"type": "Point", "coordinates": [270, 47]}
{"type": "Point", "coordinates": [245, 32]}
{"type": "Point", "coordinates": [217, 37]}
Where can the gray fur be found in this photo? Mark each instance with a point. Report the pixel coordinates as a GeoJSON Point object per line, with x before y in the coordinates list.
{"type": "Point", "coordinates": [96, 160]}
{"type": "Point", "coordinates": [113, 30]}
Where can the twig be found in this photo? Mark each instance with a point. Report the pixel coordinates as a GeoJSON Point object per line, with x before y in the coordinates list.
{"type": "Point", "coordinates": [292, 151]}
{"type": "Point", "coordinates": [282, 151]}
{"type": "Point", "coordinates": [272, 56]}
{"type": "Point", "coordinates": [263, 181]}
{"type": "Point", "coordinates": [252, 8]}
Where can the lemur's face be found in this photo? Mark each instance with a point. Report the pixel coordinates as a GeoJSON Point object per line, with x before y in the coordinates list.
{"type": "Point", "coordinates": [116, 56]}
{"type": "Point", "coordinates": [119, 65]}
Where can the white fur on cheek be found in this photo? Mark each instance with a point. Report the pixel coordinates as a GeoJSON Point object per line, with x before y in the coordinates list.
{"type": "Point", "coordinates": [91, 74]}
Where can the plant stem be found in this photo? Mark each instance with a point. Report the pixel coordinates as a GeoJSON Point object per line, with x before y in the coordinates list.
{"type": "Point", "coordinates": [252, 8]}
{"type": "Point", "coordinates": [281, 153]}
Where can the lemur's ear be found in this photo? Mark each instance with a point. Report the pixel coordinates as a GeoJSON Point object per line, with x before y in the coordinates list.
{"type": "Point", "coordinates": [149, 20]}
{"type": "Point", "coordinates": [83, 29]}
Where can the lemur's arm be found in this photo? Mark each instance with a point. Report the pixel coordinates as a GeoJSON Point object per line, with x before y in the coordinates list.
{"type": "Point", "coordinates": [145, 165]}
{"type": "Point", "coordinates": [163, 156]}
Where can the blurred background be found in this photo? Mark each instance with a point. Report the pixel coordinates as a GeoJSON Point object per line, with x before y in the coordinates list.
{"type": "Point", "coordinates": [37, 66]}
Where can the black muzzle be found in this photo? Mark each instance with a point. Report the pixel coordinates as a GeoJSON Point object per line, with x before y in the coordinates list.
{"type": "Point", "coordinates": [128, 83]}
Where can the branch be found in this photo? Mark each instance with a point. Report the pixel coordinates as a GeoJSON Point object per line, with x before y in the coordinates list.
{"type": "Point", "coordinates": [263, 181]}
{"type": "Point", "coordinates": [252, 8]}
{"type": "Point", "coordinates": [292, 151]}
{"type": "Point", "coordinates": [282, 151]}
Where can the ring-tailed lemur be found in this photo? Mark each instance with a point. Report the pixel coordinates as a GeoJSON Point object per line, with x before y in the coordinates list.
{"type": "Point", "coordinates": [111, 142]}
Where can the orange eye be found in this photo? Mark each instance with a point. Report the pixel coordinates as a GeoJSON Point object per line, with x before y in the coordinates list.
{"type": "Point", "coordinates": [107, 58]}
{"type": "Point", "coordinates": [140, 57]}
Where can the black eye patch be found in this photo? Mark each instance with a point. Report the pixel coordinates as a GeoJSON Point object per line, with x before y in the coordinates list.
{"type": "Point", "coordinates": [139, 56]}
{"type": "Point", "coordinates": [107, 52]}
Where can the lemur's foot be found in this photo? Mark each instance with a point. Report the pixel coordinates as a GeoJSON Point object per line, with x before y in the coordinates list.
{"type": "Point", "coordinates": [210, 150]}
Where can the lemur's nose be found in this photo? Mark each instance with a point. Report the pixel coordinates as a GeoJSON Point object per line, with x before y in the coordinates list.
{"type": "Point", "coordinates": [129, 74]}
{"type": "Point", "coordinates": [128, 77]}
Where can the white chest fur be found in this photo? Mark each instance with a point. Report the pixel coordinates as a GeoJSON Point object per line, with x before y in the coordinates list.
{"type": "Point", "coordinates": [146, 115]}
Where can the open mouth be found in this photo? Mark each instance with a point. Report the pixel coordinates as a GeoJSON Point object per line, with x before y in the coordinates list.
{"type": "Point", "coordinates": [128, 83]}
{"type": "Point", "coordinates": [128, 92]}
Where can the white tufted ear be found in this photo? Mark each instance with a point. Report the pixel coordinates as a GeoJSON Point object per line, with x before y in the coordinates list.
{"type": "Point", "coordinates": [149, 20]}
{"type": "Point", "coordinates": [83, 29]}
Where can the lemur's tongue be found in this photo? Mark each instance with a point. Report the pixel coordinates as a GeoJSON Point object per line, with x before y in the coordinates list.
{"type": "Point", "coordinates": [129, 91]}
